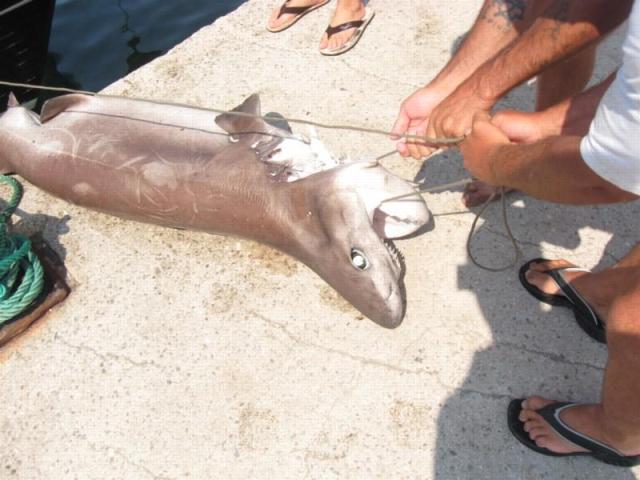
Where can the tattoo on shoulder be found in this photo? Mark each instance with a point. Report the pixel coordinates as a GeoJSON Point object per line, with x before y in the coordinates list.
{"type": "Point", "coordinates": [503, 13]}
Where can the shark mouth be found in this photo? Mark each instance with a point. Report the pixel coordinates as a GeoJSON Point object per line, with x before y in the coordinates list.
{"type": "Point", "coordinates": [394, 207]}
{"type": "Point", "coordinates": [396, 255]}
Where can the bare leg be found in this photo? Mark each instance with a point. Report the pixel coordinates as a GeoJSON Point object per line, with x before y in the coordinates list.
{"type": "Point", "coordinates": [566, 79]}
{"type": "Point", "coordinates": [615, 421]}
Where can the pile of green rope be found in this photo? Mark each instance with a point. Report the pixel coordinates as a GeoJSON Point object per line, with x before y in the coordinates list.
{"type": "Point", "coordinates": [21, 274]}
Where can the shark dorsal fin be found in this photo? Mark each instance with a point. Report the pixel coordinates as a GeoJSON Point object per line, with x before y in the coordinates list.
{"type": "Point", "coordinates": [12, 101]}
{"type": "Point", "coordinates": [246, 127]}
{"type": "Point", "coordinates": [57, 105]}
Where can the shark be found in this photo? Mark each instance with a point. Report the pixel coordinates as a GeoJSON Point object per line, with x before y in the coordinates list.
{"type": "Point", "coordinates": [236, 173]}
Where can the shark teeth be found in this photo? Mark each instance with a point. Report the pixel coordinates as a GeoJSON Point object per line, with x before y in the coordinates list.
{"type": "Point", "coordinates": [395, 253]}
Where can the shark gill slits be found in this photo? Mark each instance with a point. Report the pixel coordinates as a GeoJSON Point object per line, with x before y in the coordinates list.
{"type": "Point", "coordinates": [359, 259]}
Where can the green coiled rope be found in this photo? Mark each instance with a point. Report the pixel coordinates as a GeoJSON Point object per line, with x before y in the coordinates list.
{"type": "Point", "coordinates": [21, 273]}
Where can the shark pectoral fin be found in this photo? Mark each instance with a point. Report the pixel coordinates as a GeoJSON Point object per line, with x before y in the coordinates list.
{"type": "Point", "coordinates": [57, 105]}
{"type": "Point", "coordinates": [243, 123]}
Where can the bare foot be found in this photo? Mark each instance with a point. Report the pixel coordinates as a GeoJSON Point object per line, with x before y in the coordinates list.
{"type": "Point", "coordinates": [597, 292]}
{"type": "Point", "coordinates": [543, 281]}
{"type": "Point", "coordinates": [277, 21]}
{"type": "Point", "coordinates": [586, 419]}
{"type": "Point", "coordinates": [477, 192]}
{"type": "Point", "coordinates": [343, 14]}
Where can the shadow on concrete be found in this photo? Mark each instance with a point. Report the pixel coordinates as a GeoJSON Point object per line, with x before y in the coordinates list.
{"type": "Point", "coordinates": [534, 351]}
{"type": "Point", "coordinates": [49, 227]}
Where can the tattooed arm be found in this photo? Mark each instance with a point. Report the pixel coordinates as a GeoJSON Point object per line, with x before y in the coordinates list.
{"type": "Point", "coordinates": [498, 24]}
{"type": "Point", "coordinates": [563, 28]}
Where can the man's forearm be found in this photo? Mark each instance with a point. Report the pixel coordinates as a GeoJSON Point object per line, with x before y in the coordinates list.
{"type": "Point", "coordinates": [496, 26]}
{"type": "Point", "coordinates": [553, 170]}
{"type": "Point", "coordinates": [565, 28]}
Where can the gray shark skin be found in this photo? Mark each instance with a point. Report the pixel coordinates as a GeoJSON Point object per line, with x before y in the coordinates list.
{"type": "Point", "coordinates": [174, 166]}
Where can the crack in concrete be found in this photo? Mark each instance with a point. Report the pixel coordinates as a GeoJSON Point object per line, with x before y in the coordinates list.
{"type": "Point", "coordinates": [368, 73]}
{"type": "Point", "coordinates": [107, 356]}
{"type": "Point", "coordinates": [554, 357]}
{"type": "Point", "coordinates": [105, 451]}
{"type": "Point", "coordinates": [140, 466]}
{"type": "Point", "coordinates": [357, 358]}
{"type": "Point", "coordinates": [431, 373]}
{"type": "Point", "coordinates": [493, 396]}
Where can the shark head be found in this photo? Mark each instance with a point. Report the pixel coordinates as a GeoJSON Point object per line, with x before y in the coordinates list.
{"type": "Point", "coordinates": [358, 216]}
{"type": "Point", "coordinates": [347, 214]}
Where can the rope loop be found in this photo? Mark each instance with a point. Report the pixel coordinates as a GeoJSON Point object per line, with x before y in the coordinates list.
{"type": "Point", "coordinates": [21, 273]}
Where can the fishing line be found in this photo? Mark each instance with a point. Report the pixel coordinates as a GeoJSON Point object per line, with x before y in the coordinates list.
{"type": "Point", "coordinates": [517, 253]}
{"type": "Point", "coordinates": [374, 131]}
{"type": "Point", "coordinates": [450, 141]}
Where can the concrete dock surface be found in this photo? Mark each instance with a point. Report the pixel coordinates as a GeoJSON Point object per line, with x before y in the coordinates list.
{"type": "Point", "coordinates": [183, 355]}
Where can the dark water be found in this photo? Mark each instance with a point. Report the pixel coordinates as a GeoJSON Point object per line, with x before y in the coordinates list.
{"type": "Point", "coordinates": [95, 42]}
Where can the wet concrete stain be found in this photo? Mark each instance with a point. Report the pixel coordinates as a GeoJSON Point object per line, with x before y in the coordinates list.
{"type": "Point", "coordinates": [256, 428]}
{"type": "Point", "coordinates": [331, 449]}
{"type": "Point", "coordinates": [270, 259]}
{"type": "Point", "coordinates": [221, 299]}
{"type": "Point", "coordinates": [410, 424]}
{"type": "Point", "coordinates": [332, 298]}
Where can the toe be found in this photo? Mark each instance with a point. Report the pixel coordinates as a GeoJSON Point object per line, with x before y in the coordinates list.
{"type": "Point", "coordinates": [536, 403]}
{"type": "Point", "coordinates": [534, 422]}
{"type": "Point", "coordinates": [527, 415]}
{"type": "Point", "coordinates": [324, 43]}
{"type": "Point", "coordinates": [476, 193]}
{"type": "Point", "coordinates": [542, 281]}
{"type": "Point", "coordinates": [550, 265]}
{"type": "Point", "coordinates": [543, 441]}
{"type": "Point", "coordinates": [537, 432]}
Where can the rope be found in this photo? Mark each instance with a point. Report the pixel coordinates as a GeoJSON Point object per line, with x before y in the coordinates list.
{"type": "Point", "coordinates": [375, 131]}
{"type": "Point", "coordinates": [505, 219]}
{"type": "Point", "coordinates": [21, 273]}
{"type": "Point", "coordinates": [428, 140]}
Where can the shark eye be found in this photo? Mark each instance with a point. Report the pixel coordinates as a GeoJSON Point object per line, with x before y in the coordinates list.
{"type": "Point", "coordinates": [359, 260]}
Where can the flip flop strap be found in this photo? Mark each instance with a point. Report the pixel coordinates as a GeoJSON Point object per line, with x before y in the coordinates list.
{"type": "Point", "coordinates": [551, 413]}
{"type": "Point", "coordinates": [343, 26]}
{"type": "Point", "coordinates": [572, 294]}
{"type": "Point", "coordinates": [293, 10]}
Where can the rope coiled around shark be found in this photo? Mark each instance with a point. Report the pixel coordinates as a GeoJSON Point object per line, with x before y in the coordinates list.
{"type": "Point", "coordinates": [21, 273]}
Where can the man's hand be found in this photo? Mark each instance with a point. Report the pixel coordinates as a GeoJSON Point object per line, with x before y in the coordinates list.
{"type": "Point", "coordinates": [413, 119]}
{"type": "Point", "coordinates": [453, 117]}
{"type": "Point", "coordinates": [481, 147]}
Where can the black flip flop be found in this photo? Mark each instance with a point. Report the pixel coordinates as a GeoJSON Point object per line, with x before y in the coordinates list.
{"type": "Point", "coordinates": [551, 413]}
{"type": "Point", "coordinates": [586, 316]}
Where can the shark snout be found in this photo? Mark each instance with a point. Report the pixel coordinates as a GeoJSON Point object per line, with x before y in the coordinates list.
{"type": "Point", "coordinates": [390, 315]}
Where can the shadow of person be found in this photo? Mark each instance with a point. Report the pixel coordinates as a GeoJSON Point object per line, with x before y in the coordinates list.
{"type": "Point", "coordinates": [533, 349]}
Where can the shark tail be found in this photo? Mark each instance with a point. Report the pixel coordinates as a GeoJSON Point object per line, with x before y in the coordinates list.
{"type": "Point", "coordinates": [5, 168]}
